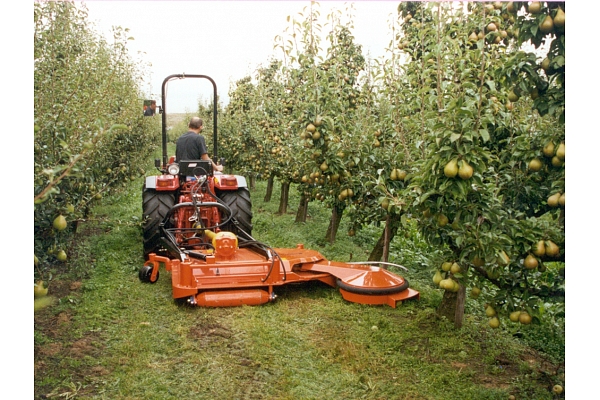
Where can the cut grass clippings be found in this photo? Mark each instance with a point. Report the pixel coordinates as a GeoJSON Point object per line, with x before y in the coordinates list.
{"type": "Point", "coordinates": [109, 336]}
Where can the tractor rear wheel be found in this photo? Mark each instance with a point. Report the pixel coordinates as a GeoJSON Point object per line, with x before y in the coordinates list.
{"type": "Point", "coordinates": [155, 206]}
{"type": "Point", "coordinates": [241, 209]}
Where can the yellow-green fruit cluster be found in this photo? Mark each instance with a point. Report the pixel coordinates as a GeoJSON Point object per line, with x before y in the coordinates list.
{"type": "Point", "coordinates": [458, 168]}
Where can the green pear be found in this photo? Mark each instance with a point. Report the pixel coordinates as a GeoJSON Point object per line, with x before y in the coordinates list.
{"type": "Point", "coordinates": [451, 169]}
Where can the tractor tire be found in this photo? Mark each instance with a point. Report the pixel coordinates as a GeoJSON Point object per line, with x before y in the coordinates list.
{"type": "Point", "coordinates": [241, 209]}
{"type": "Point", "coordinates": [155, 206]}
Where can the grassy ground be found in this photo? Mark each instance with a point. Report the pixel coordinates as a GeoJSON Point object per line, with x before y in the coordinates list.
{"type": "Point", "coordinates": [108, 336]}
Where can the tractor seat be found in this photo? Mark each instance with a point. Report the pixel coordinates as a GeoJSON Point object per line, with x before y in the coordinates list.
{"type": "Point", "coordinates": [195, 167]}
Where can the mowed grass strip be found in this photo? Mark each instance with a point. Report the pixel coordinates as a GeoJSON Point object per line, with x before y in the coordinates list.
{"type": "Point", "coordinates": [308, 344]}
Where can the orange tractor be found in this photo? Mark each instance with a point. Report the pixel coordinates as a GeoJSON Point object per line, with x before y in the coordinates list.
{"type": "Point", "coordinates": [198, 225]}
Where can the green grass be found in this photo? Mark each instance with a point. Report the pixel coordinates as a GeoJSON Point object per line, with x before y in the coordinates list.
{"type": "Point", "coordinates": [112, 337]}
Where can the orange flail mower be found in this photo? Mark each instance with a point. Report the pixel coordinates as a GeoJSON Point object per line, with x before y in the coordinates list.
{"type": "Point", "coordinates": [198, 225]}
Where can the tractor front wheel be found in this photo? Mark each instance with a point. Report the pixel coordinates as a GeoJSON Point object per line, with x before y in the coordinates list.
{"type": "Point", "coordinates": [155, 206]}
{"type": "Point", "coordinates": [145, 274]}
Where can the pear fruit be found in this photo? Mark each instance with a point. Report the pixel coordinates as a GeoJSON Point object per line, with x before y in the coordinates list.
{"type": "Point", "coordinates": [385, 203]}
{"type": "Point", "coordinates": [478, 261]}
{"type": "Point", "coordinates": [39, 290]}
{"type": "Point", "coordinates": [525, 318]}
{"type": "Point", "coordinates": [456, 286]}
{"type": "Point", "coordinates": [535, 7]}
{"type": "Point", "coordinates": [535, 165]}
{"type": "Point", "coordinates": [437, 278]}
{"type": "Point", "coordinates": [539, 249]}
{"type": "Point", "coordinates": [60, 223]}
{"type": "Point", "coordinates": [61, 256]}
{"type": "Point", "coordinates": [557, 389]}
{"type": "Point", "coordinates": [560, 152]}
{"type": "Point", "coordinates": [557, 162]}
{"type": "Point", "coordinates": [455, 268]}
{"type": "Point", "coordinates": [553, 200]}
{"type": "Point", "coordinates": [451, 169]}
{"type": "Point", "coordinates": [547, 25]}
{"type": "Point", "coordinates": [552, 249]}
{"type": "Point", "coordinates": [489, 311]}
{"type": "Point", "coordinates": [503, 258]}
{"type": "Point", "coordinates": [475, 292]}
{"type": "Point", "coordinates": [561, 200]}
{"type": "Point", "coordinates": [446, 266]}
{"type": "Point", "coordinates": [473, 37]}
{"type": "Point", "coordinates": [559, 19]}
{"type": "Point", "coordinates": [514, 316]}
{"type": "Point", "coordinates": [465, 171]}
{"type": "Point", "coordinates": [442, 220]}
{"type": "Point", "coordinates": [530, 262]}
{"type": "Point", "coordinates": [494, 322]}
{"type": "Point", "coordinates": [401, 174]}
{"type": "Point", "coordinates": [546, 64]}
{"type": "Point", "coordinates": [548, 149]}
{"type": "Point", "coordinates": [447, 284]}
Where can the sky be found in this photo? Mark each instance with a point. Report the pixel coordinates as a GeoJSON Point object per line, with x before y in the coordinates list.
{"type": "Point", "coordinates": [226, 40]}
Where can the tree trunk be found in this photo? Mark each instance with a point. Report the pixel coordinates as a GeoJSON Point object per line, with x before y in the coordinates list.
{"type": "Point", "coordinates": [302, 208]}
{"type": "Point", "coordinates": [387, 238]}
{"type": "Point", "coordinates": [334, 223]}
{"type": "Point", "coordinates": [381, 250]}
{"type": "Point", "coordinates": [283, 200]}
{"type": "Point", "coordinates": [269, 189]}
{"type": "Point", "coordinates": [252, 179]}
{"type": "Point", "coordinates": [453, 306]}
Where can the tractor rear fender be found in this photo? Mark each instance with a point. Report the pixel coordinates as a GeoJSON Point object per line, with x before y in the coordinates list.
{"type": "Point", "coordinates": [229, 182]}
{"type": "Point", "coordinates": [162, 183]}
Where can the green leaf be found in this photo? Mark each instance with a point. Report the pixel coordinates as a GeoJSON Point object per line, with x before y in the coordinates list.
{"type": "Point", "coordinates": [454, 137]}
{"type": "Point", "coordinates": [485, 135]}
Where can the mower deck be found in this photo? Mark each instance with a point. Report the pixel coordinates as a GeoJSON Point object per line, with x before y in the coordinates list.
{"type": "Point", "coordinates": [247, 277]}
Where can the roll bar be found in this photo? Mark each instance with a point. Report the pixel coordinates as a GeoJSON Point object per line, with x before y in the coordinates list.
{"type": "Point", "coordinates": [164, 112]}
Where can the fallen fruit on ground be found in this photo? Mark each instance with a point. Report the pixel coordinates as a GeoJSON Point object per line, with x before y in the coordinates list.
{"type": "Point", "coordinates": [557, 389]}
{"type": "Point", "coordinates": [39, 290]}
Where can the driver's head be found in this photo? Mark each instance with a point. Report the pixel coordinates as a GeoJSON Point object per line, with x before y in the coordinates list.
{"type": "Point", "coordinates": [195, 123]}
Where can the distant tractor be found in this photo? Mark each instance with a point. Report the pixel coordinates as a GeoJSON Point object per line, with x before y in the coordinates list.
{"type": "Point", "coordinates": [198, 224]}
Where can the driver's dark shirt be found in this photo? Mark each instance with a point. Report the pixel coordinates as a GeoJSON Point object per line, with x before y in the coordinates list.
{"type": "Point", "coordinates": [190, 146]}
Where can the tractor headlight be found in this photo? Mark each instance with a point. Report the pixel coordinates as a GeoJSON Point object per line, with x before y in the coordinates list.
{"type": "Point", "coordinates": [173, 169]}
